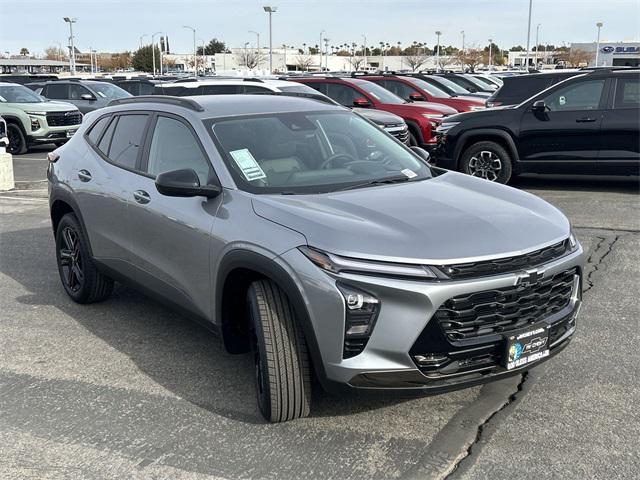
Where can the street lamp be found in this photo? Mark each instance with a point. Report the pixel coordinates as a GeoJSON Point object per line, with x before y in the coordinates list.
{"type": "Point", "coordinates": [438, 33]}
{"type": "Point", "coordinates": [535, 58]}
{"type": "Point", "coordinates": [326, 53]}
{"type": "Point", "coordinates": [526, 57]}
{"type": "Point", "coordinates": [72, 57]}
{"type": "Point", "coordinates": [365, 50]}
{"type": "Point", "coordinates": [204, 57]}
{"type": "Point", "coordinates": [462, 52]}
{"type": "Point", "coordinates": [599, 25]}
{"type": "Point", "coordinates": [153, 50]}
{"type": "Point", "coordinates": [490, 56]}
{"type": "Point", "coordinates": [320, 49]}
{"type": "Point", "coordinates": [270, 11]}
{"type": "Point", "coordinates": [95, 59]}
{"type": "Point", "coordinates": [195, 59]}
{"type": "Point", "coordinates": [141, 37]}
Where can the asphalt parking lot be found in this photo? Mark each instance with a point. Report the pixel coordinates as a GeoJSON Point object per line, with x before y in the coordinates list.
{"type": "Point", "coordinates": [129, 389]}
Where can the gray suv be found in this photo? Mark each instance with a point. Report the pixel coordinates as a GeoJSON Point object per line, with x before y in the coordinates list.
{"type": "Point", "coordinates": [87, 95]}
{"type": "Point", "coordinates": [304, 234]}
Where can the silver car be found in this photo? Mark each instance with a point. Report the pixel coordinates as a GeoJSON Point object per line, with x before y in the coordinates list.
{"type": "Point", "coordinates": [306, 235]}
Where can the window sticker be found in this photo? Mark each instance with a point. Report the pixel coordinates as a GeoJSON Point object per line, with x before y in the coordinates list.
{"type": "Point", "coordinates": [409, 173]}
{"type": "Point", "coordinates": [248, 165]}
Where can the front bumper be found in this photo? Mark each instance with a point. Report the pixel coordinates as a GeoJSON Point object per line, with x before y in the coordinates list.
{"type": "Point", "coordinates": [407, 318]}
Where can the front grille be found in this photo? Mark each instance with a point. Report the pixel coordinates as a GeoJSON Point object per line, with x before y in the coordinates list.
{"type": "Point", "coordinates": [507, 264]}
{"type": "Point", "coordinates": [504, 309]}
{"type": "Point", "coordinates": [401, 134]}
{"type": "Point", "coordinates": [63, 119]}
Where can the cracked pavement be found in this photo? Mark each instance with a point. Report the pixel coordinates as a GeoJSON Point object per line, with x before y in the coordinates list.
{"type": "Point", "coordinates": [129, 389]}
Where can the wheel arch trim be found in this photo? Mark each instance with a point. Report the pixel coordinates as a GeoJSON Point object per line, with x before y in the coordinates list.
{"type": "Point", "coordinates": [466, 138]}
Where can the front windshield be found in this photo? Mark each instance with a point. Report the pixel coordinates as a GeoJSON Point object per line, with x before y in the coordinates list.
{"type": "Point", "coordinates": [427, 87]}
{"type": "Point", "coordinates": [480, 84]}
{"type": "Point", "coordinates": [452, 86]}
{"type": "Point", "coordinates": [312, 152]}
{"type": "Point", "coordinates": [18, 94]}
{"type": "Point", "coordinates": [109, 91]}
{"type": "Point", "coordinates": [376, 91]}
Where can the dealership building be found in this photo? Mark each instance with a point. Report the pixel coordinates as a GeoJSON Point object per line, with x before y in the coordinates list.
{"type": "Point", "coordinates": [612, 54]}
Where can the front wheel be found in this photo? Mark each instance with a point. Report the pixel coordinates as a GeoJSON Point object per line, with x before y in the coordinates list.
{"type": "Point", "coordinates": [17, 142]}
{"type": "Point", "coordinates": [80, 278]}
{"type": "Point", "coordinates": [488, 160]}
{"type": "Point", "coordinates": [281, 360]}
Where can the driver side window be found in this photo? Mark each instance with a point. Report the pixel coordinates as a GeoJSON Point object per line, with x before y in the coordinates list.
{"type": "Point", "coordinates": [343, 94]}
{"type": "Point", "coordinates": [578, 96]}
{"type": "Point", "coordinates": [400, 89]}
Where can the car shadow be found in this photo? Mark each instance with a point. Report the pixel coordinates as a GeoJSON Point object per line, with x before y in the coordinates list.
{"type": "Point", "coordinates": [177, 353]}
{"type": "Point", "coordinates": [590, 183]}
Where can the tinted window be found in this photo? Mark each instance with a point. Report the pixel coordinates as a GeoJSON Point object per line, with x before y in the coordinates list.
{"type": "Point", "coordinates": [145, 89]}
{"type": "Point", "coordinates": [109, 91]}
{"type": "Point", "coordinates": [427, 87]}
{"type": "Point", "coordinates": [627, 93]}
{"type": "Point", "coordinates": [343, 94]}
{"type": "Point", "coordinates": [256, 89]}
{"type": "Point", "coordinates": [217, 90]}
{"type": "Point", "coordinates": [57, 91]}
{"type": "Point", "coordinates": [173, 147]}
{"type": "Point", "coordinates": [76, 92]}
{"type": "Point", "coordinates": [399, 88]}
{"type": "Point", "coordinates": [103, 146]}
{"type": "Point", "coordinates": [96, 130]}
{"type": "Point", "coordinates": [127, 139]}
{"type": "Point", "coordinates": [577, 96]}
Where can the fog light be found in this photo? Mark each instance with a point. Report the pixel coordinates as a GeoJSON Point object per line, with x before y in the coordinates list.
{"type": "Point", "coordinates": [35, 124]}
{"type": "Point", "coordinates": [360, 315]}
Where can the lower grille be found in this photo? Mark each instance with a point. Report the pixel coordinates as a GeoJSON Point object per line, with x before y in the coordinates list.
{"type": "Point", "coordinates": [401, 134]}
{"type": "Point", "coordinates": [62, 119]}
{"type": "Point", "coordinates": [501, 310]}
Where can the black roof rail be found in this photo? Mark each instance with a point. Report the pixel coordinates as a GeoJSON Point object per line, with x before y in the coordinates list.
{"type": "Point", "coordinates": [167, 99]}
{"type": "Point", "coordinates": [252, 79]}
{"type": "Point", "coordinates": [592, 70]}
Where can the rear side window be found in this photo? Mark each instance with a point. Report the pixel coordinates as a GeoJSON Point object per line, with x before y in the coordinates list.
{"type": "Point", "coordinates": [145, 89]}
{"type": "Point", "coordinates": [97, 129]}
{"type": "Point", "coordinates": [57, 91]}
{"type": "Point", "coordinates": [103, 146]}
{"type": "Point", "coordinates": [519, 89]}
{"type": "Point", "coordinates": [255, 89]}
{"type": "Point", "coordinates": [627, 93]}
{"type": "Point", "coordinates": [127, 140]}
{"type": "Point", "coordinates": [218, 90]}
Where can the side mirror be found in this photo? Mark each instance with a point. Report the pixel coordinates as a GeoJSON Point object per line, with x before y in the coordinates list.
{"type": "Point", "coordinates": [361, 102]}
{"type": "Point", "coordinates": [539, 106]}
{"type": "Point", "coordinates": [87, 96]}
{"type": "Point", "coordinates": [422, 153]}
{"type": "Point", "coordinates": [416, 97]}
{"type": "Point", "coordinates": [184, 183]}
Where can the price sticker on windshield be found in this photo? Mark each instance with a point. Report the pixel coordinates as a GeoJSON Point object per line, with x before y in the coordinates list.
{"type": "Point", "coordinates": [409, 173]}
{"type": "Point", "coordinates": [248, 165]}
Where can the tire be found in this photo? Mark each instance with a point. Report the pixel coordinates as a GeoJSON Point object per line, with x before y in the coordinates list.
{"type": "Point", "coordinates": [282, 370]}
{"type": "Point", "coordinates": [80, 278]}
{"type": "Point", "coordinates": [488, 160]}
{"type": "Point", "coordinates": [413, 141]}
{"type": "Point", "coordinates": [17, 142]}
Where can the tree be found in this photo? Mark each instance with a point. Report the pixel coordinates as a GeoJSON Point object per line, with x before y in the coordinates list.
{"type": "Point", "coordinates": [24, 51]}
{"type": "Point", "coordinates": [143, 58]}
{"type": "Point", "coordinates": [472, 57]}
{"type": "Point", "coordinates": [54, 53]}
{"type": "Point", "coordinates": [250, 58]}
{"type": "Point", "coordinates": [575, 57]}
{"type": "Point", "coordinates": [415, 61]}
{"type": "Point", "coordinates": [116, 61]}
{"type": "Point", "coordinates": [214, 46]}
{"type": "Point", "coordinates": [356, 62]}
{"type": "Point", "coordinates": [304, 62]}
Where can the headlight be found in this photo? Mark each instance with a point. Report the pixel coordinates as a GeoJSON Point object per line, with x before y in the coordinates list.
{"type": "Point", "coordinates": [433, 116]}
{"type": "Point", "coordinates": [573, 241]}
{"type": "Point", "coordinates": [337, 264]}
{"type": "Point", "coordinates": [445, 127]}
{"type": "Point", "coordinates": [477, 107]}
{"type": "Point", "coordinates": [35, 123]}
{"type": "Point", "coordinates": [41, 114]}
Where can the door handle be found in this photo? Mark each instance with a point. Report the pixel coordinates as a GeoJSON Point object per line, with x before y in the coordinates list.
{"type": "Point", "coordinates": [141, 197]}
{"type": "Point", "coordinates": [585, 120]}
{"type": "Point", "coordinates": [84, 175]}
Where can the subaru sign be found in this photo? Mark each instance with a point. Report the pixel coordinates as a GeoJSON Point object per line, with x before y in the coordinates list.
{"type": "Point", "coordinates": [612, 49]}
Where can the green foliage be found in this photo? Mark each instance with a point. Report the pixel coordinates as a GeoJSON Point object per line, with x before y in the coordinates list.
{"type": "Point", "coordinates": [143, 61]}
{"type": "Point", "coordinates": [214, 46]}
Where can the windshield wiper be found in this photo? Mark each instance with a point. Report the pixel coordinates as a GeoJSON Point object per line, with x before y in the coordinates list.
{"type": "Point", "coordinates": [378, 181]}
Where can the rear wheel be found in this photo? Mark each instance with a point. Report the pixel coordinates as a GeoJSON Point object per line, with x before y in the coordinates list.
{"type": "Point", "coordinates": [80, 278]}
{"type": "Point", "coordinates": [280, 354]}
{"type": "Point", "coordinates": [488, 160]}
{"type": "Point", "coordinates": [17, 142]}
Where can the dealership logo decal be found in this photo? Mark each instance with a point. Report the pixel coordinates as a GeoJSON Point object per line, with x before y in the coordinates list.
{"type": "Point", "coordinates": [612, 49]}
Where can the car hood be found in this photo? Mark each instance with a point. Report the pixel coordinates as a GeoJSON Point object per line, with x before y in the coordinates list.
{"type": "Point", "coordinates": [422, 107]}
{"type": "Point", "coordinates": [449, 218]}
{"type": "Point", "coordinates": [45, 107]}
{"type": "Point", "coordinates": [378, 116]}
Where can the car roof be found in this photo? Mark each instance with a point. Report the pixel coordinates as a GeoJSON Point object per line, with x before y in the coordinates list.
{"type": "Point", "coordinates": [11, 83]}
{"type": "Point", "coordinates": [216, 106]}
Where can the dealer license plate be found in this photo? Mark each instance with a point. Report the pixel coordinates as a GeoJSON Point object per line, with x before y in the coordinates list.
{"type": "Point", "coordinates": [526, 347]}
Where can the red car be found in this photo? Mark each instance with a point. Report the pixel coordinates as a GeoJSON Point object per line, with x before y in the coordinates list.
{"type": "Point", "coordinates": [421, 118]}
{"type": "Point", "coordinates": [414, 89]}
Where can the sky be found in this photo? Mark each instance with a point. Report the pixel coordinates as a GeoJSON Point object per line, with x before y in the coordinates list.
{"type": "Point", "coordinates": [116, 25]}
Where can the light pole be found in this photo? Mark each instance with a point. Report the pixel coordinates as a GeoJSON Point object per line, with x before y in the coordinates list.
{"type": "Point", "coordinates": [257, 46]}
{"type": "Point", "coordinates": [462, 52]}
{"type": "Point", "coordinates": [204, 57]}
{"type": "Point", "coordinates": [72, 57]}
{"type": "Point", "coordinates": [535, 58]}
{"type": "Point", "coordinates": [365, 50]}
{"type": "Point", "coordinates": [153, 50]}
{"type": "Point", "coordinates": [320, 49]}
{"type": "Point", "coordinates": [526, 56]}
{"type": "Point", "coordinates": [599, 25]}
{"type": "Point", "coordinates": [195, 59]}
{"type": "Point", "coordinates": [326, 54]}
{"type": "Point", "coordinates": [95, 59]}
{"type": "Point", "coordinates": [141, 37]}
{"type": "Point", "coordinates": [490, 56]}
{"type": "Point", "coordinates": [270, 11]}
{"type": "Point", "coordinates": [438, 33]}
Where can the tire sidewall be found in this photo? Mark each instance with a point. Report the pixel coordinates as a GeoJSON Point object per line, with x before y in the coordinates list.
{"type": "Point", "coordinates": [263, 389]}
{"type": "Point", "coordinates": [507, 166]}
{"type": "Point", "coordinates": [70, 221]}
{"type": "Point", "coordinates": [15, 133]}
